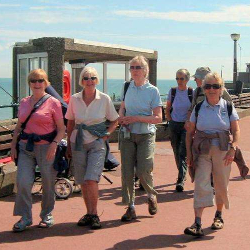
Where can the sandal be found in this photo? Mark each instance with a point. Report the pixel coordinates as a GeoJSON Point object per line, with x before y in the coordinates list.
{"type": "Point", "coordinates": [47, 222]}
{"type": "Point", "coordinates": [217, 224]}
{"type": "Point", "coordinates": [21, 225]}
{"type": "Point", "coordinates": [194, 230]}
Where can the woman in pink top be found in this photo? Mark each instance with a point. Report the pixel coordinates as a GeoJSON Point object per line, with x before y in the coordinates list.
{"type": "Point", "coordinates": [38, 144]}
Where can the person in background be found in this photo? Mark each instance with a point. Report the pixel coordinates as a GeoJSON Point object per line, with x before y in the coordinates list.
{"type": "Point", "coordinates": [87, 113]}
{"type": "Point", "coordinates": [210, 151]}
{"type": "Point", "coordinates": [140, 110]}
{"type": "Point", "coordinates": [199, 95]}
{"type": "Point", "coordinates": [38, 144]}
{"type": "Point", "coordinates": [178, 102]}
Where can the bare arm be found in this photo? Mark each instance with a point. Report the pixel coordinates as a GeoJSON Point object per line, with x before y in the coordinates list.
{"type": "Point", "coordinates": [168, 108]}
{"type": "Point", "coordinates": [235, 130]}
{"type": "Point", "coordinates": [70, 128]}
{"type": "Point", "coordinates": [189, 142]}
{"type": "Point", "coordinates": [153, 119]}
{"type": "Point", "coordinates": [111, 129]}
{"type": "Point", "coordinates": [60, 134]}
{"type": "Point", "coordinates": [121, 112]}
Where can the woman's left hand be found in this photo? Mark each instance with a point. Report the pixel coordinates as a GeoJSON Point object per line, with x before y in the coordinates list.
{"type": "Point", "coordinates": [105, 138]}
{"type": "Point", "coordinates": [229, 157]}
{"type": "Point", "coordinates": [129, 119]}
{"type": "Point", "coordinates": [51, 151]}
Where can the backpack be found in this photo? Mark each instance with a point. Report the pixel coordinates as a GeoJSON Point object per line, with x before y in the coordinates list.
{"type": "Point", "coordinates": [229, 108]}
{"type": "Point", "coordinates": [126, 85]}
{"type": "Point", "coordinates": [173, 94]}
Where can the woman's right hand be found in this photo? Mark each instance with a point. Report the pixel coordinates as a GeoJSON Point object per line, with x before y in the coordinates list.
{"type": "Point", "coordinates": [69, 152]}
{"type": "Point", "coordinates": [189, 160]}
{"type": "Point", "coordinates": [13, 153]}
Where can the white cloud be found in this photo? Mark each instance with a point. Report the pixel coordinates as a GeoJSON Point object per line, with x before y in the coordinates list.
{"type": "Point", "coordinates": [47, 17]}
{"type": "Point", "coordinates": [65, 7]}
{"type": "Point", "coordinates": [236, 13]}
{"type": "Point", "coordinates": [243, 24]}
{"type": "Point", "coordinates": [9, 5]}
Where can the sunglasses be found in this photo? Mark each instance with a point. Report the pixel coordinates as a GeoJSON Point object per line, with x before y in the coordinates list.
{"type": "Point", "coordinates": [91, 78]}
{"type": "Point", "coordinates": [180, 78]}
{"type": "Point", "coordinates": [214, 86]}
{"type": "Point", "coordinates": [37, 80]}
{"type": "Point", "coordinates": [136, 67]}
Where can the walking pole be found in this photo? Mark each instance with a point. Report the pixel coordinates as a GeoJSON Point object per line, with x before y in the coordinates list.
{"type": "Point", "coordinates": [107, 179]}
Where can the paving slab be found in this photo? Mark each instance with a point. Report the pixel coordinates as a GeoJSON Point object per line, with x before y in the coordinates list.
{"type": "Point", "coordinates": [162, 231]}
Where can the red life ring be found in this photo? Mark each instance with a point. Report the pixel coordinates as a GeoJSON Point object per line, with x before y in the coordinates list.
{"type": "Point", "coordinates": [66, 86]}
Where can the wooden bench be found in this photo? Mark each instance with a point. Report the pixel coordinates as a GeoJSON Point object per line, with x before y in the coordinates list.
{"type": "Point", "coordinates": [6, 129]}
{"type": "Point", "coordinates": [241, 100]}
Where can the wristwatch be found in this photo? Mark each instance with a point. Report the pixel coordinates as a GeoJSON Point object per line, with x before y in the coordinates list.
{"type": "Point", "coordinates": [233, 147]}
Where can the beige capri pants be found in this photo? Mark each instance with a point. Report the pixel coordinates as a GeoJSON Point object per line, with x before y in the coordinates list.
{"type": "Point", "coordinates": [203, 191]}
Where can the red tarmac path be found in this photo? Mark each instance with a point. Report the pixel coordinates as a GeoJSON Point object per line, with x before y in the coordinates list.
{"type": "Point", "coordinates": [163, 231]}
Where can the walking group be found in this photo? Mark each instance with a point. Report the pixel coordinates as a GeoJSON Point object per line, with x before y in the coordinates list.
{"type": "Point", "coordinates": [204, 133]}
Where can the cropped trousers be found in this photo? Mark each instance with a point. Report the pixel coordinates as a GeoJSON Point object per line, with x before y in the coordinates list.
{"type": "Point", "coordinates": [27, 162]}
{"type": "Point", "coordinates": [137, 157]}
{"type": "Point", "coordinates": [203, 191]}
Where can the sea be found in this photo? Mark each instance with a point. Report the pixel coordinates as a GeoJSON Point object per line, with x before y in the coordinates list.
{"type": "Point", "coordinates": [114, 91]}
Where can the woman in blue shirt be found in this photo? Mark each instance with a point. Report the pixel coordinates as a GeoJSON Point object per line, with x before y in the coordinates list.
{"type": "Point", "coordinates": [177, 108]}
{"type": "Point", "coordinates": [139, 111]}
{"type": "Point", "coordinates": [211, 150]}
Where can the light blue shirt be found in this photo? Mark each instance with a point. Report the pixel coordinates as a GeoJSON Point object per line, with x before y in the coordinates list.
{"type": "Point", "coordinates": [213, 119]}
{"type": "Point", "coordinates": [140, 101]}
{"type": "Point", "coordinates": [180, 105]}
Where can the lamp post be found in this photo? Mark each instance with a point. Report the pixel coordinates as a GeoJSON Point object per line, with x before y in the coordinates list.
{"type": "Point", "coordinates": [235, 38]}
{"type": "Point", "coordinates": [221, 70]}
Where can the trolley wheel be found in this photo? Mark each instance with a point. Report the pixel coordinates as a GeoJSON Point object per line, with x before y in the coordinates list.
{"type": "Point", "coordinates": [63, 188]}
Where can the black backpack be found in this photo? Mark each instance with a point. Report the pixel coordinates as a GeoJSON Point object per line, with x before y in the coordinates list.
{"type": "Point", "coordinates": [173, 94]}
{"type": "Point", "coordinates": [126, 85]}
{"type": "Point", "coordinates": [229, 108]}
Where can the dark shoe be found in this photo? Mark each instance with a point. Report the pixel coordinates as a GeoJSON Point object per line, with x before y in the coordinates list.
{"type": "Point", "coordinates": [129, 215]}
{"type": "Point", "coordinates": [194, 230]}
{"type": "Point", "coordinates": [179, 185]}
{"type": "Point", "coordinates": [85, 220]}
{"type": "Point", "coordinates": [217, 224]}
{"type": "Point", "coordinates": [21, 225]}
{"type": "Point", "coordinates": [95, 222]}
{"type": "Point", "coordinates": [152, 205]}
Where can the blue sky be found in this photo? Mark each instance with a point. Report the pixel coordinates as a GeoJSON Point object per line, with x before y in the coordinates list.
{"type": "Point", "coordinates": [186, 33]}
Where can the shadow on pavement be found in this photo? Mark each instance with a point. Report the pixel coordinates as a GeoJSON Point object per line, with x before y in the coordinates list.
{"type": "Point", "coordinates": [239, 178]}
{"type": "Point", "coordinates": [62, 229]}
{"type": "Point", "coordinates": [161, 241]}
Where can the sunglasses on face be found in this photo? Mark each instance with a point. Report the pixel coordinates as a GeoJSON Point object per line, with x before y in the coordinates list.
{"type": "Point", "coordinates": [214, 86]}
{"type": "Point", "coordinates": [136, 67]}
{"type": "Point", "coordinates": [180, 78]}
{"type": "Point", "coordinates": [91, 78]}
{"type": "Point", "coordinates": [37, 80]}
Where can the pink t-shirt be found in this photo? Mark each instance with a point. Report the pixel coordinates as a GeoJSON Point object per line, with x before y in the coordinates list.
{"type": "Point", "coordinates": [42, 121]}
